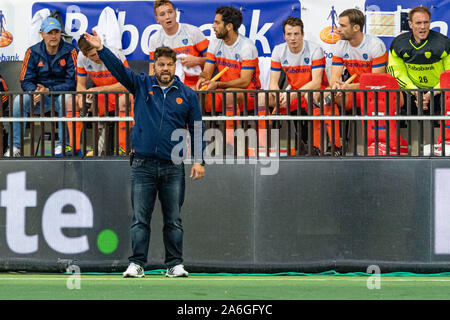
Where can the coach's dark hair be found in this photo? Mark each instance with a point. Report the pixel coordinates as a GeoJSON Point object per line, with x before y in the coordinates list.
{"type": "Point", "coordinates": [355, 16]}
{"type": "Point", "coordinates": [418, 9]}
{"type": "Point", "coordinates": [230, 15]}
{"type": "Point", "coordinates": [165, 52]}
{"type": "Point", "coordinates": [292, 21]}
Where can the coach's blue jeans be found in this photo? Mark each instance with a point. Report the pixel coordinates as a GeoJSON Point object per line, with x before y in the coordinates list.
{"type": "Point", "coordinates": [151, 178]}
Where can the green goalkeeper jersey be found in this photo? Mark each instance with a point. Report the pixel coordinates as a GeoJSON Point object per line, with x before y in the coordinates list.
{"type": "Point", "coordinates": [419, 65]}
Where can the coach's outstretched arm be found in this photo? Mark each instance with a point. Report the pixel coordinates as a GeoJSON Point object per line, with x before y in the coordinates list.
{"type": "Point", "coordinates": [124, 75]}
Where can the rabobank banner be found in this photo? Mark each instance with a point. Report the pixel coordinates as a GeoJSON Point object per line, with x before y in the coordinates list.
{"type": "Point", "coordinates": [262, 20]}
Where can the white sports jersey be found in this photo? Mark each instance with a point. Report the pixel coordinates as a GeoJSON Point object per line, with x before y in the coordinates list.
{"type": "Point", "coordinates": [98, 73]}
{"type": "Point", "coordinates": [188, 40]}
{"type": "Point", "coordinates": [298, 66]}
{"type": "Point", "coordinates": [371, 53]}
{"type": "Point", "coordinates": [242, 55]}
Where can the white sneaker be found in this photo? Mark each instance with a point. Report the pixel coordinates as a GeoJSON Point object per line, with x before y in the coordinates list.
{"type": "Point", "coordinates": [16, 152]}
{"type": "Point", "coordinates": [134, 271]}
{"type": "Point", "coordinates": [427, 150]}
{"type": "Point", "coordinates": [177, 271]}
{"type": "Point", "coordinates": [438, 150]}
{"type": "Point", "coordinates": [58, 151]}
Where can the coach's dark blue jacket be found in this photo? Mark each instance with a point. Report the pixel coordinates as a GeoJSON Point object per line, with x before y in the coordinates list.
{"type": "Point", "coordinates": [57, 73]}
{"type": "Point", "coordinates": [158, 114]}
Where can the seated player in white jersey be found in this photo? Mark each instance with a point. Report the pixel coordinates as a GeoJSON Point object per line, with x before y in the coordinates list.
{"type": "Point", "coordinates": [238, 53]}
{"type": "Point", "coordinates": [303, 62]}
{"type": "Point", "coordinates": [186, 40]}
{"type": "Point", "coordinates": [90, 65]}
{"type": "Point", "coordinates": [356, 52]}
{"type": "Point", "coordinates": [235, 51]}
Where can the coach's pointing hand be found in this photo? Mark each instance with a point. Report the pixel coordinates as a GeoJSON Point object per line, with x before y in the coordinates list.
{"type": "Point", "coordinates": [94, 40]}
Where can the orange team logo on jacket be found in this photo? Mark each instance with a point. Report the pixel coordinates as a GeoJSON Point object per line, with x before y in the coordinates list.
{"type": "Point", "coordinates": [179, 100]}
{"type": "Point", "coordinates": [62, 62]}
{"type": "Point", "coordinates": [40, 64]}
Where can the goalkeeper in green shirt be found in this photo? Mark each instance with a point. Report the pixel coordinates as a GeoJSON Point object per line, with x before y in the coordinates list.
{"type": "Point", "coordinates": [418, 57]}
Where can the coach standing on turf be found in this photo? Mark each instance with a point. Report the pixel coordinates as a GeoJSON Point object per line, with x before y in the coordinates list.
{"type": "Point", "coordinates": [162, 105]}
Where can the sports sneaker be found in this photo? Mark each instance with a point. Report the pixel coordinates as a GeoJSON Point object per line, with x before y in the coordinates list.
{"type": "Point", "coordinates": [177, 271]}
{"type": "Point", "coordinates": [427, 150]}
{"type": "Point", "coordinates": [337, 152]}
{"type": "Point", "coordinates": [58, 151]}
{"type": "Point", "coordinates": [315, 151]}
{"type": "Point", "coordinates": [134, 271]}
{"type": "Point", "coordinates": [69, 152]}
{"type": "Point", "coordinates": [15, 153]}
{"type": "Point", "coordinates": [438, 150]}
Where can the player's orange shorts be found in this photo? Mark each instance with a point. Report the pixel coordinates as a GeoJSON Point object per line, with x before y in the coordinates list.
{"type": "Point", "coordinates": [101, 112]}
{"type": "Point", "coordinates": [101, 103]}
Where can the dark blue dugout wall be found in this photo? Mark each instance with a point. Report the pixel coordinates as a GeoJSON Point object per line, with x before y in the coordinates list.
{"type": "Point", "coordinates": [312, 215]}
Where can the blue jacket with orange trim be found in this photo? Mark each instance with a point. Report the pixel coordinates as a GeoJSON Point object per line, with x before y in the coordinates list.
{"type": "Point", "coordinates": [58, 72]}
{"type": "Point", "coordinates": [161, 115]}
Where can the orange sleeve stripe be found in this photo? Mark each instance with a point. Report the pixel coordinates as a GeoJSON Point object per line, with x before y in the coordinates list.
{"type": "Point", "coordinates": [275, 66]}
{"type": "Point", "coordinates": [125, 63]}
{"type": "Point", "coordinates": [74, 56]}
{"type": "Point", "coordinates": [380, 61]}
{"type": "Point", "coordinates": [202, 46]}
{"type": "Point", "coordinates": [210, 58]}
{"type": "Point", "coordinates": [75, 59]}
{"type": "Point", "coordinates": [250, 63]}
{"type": "Point", "coordinates": [337, 60]}
{"type": "Point", "coordinates": [318, 62]}
{"type": "Point", "coordinates": [5, 87]}
{"type": "Point", "coordinates": [23, 70]}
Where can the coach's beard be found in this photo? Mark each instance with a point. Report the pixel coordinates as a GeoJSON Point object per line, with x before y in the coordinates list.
{"type": "Point", "coordinates": [165, 78]}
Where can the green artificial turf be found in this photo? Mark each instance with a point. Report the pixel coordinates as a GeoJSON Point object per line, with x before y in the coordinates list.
{"type": "Point", "coordinates": [212, 287]}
